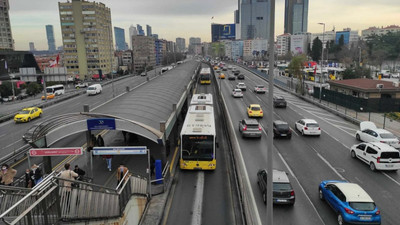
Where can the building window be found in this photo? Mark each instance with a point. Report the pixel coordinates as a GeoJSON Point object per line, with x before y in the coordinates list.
{"type": "Point", "coordinates": [259, 18]}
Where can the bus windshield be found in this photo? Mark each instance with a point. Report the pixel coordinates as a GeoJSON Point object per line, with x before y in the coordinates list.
{"type": "Point", "coordinates": [205, 77]}
{"type": "Point", "coordinates": [198, 147]}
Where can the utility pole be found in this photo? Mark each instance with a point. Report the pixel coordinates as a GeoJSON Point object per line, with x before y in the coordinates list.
{"type": "Point", "coordinates": [322, 62]}
{"type": "Point", "coordinates": [271, 43]}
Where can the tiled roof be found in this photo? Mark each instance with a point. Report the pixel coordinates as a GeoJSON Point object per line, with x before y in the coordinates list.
{"type": "Point", "coordinates": [365, 84]}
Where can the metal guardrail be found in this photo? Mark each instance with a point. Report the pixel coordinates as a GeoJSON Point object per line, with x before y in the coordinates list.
{"type": "Point", "coordinates": [51, 201]}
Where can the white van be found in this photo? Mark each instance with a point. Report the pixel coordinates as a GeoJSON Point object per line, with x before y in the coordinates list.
{"type": "Point", "coordinates": [379, 156]}
{"type": "Point", "coordinates": [94, 89]}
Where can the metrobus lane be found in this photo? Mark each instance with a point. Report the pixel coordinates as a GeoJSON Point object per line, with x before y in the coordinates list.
{"type": "Point", "coordinates": [329, 149]}
{"type": "Point", "coordinates": [254, 153]}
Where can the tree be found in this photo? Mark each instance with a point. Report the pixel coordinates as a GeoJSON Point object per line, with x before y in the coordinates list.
{"type": "Point", "coordinates": [6, 89]}
{"type": "Point", "coordinates": [316, 49]}
{"type": "Point", "coordinates": [296, 68]}
{"type": "Point", "coordinates": [34, 88]}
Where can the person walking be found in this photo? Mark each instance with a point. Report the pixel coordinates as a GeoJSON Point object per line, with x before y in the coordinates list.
{"type": "Point", "coordinates": [7, 175]}
{"type": "Point", "coordinates": [121, 171]}
{"type": "Point", "coordinates": [36, 174]}
{"type": "Point", "coordinates": [29, 182]}
{"type": "Point", "coordinates": [68, 176]}
{"type": "Point", "coordinates": [108, 159]}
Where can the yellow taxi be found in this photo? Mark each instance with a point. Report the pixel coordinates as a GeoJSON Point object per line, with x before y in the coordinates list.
{"type": "Point", "coordinates": [254, 110]}
{"type": "Point", "coordinates": [216, 67]}
{"type": "Point", "coordinates": [49, 96]}
{"type": "Point", "coordinates": [28, 114]}
{"type": "Point", "coordinates": [222, 76]}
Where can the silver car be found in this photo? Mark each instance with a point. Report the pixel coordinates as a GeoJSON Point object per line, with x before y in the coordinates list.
{"type": "Point", "coordinates": [237, 93]}
{"type": "Point", "coordinates": [250, 128]}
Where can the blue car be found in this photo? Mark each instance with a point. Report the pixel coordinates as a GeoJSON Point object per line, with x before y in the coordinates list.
{"type": "Point", "coordinates": [351, 203]}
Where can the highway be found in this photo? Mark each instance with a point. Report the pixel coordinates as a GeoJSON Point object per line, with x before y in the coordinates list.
{"type": "Point", "coordinates": [219, 199]}
{"type": "Point", "coordinates": [309, 160]}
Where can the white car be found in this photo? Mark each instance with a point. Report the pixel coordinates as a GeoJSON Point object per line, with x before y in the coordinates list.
{"type": "Point", "coordinates": [241, 86]}
{"type": "Point", "coordinates": [308, 127]}
{"type": "Point", "coordinates": [81, 85]}
{"type": "Point", "coordinates": [370, 133]}
{"type": "Point", "coordinates": [94, 89]}
{"type": "Point", "coordinates": [379, 156]}
{"type": "Point", "coordinates": [260, 89]}
{"type": "Point", "coordinates": [237, 93]}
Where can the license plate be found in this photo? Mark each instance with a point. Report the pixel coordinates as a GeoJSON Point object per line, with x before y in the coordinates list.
{"type": "Point", "coordinates": [281, 200]}
{"type": "Point", "coordinates": [283, 135]}
{"type": "Point", "coordinates": [365, 217]}
{"type": "Point", "coordinates": [389, 165]}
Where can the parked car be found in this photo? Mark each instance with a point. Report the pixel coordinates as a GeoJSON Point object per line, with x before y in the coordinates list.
{"type": "Point", "coordinates": [22, 96]}
{"type": "Point", "coordinates": [351, 203]}
{"type": "Point", "coordinates": [27, 114]}
{"type": "Point", "coordinates": [308, 127]}
{"type": "Point", "coordinates": [260, 89]}
{"type": "Point", "coordinates": [254, 110]}
{"type": "Point", "coordinates": [281, 129]}
{"type": "Point", "coordinates": [231, 77]}
{"type": "Point", "coordinates": [241, 86]}
{"type": "Point", "coordinates": [237, 93]}
{"type": "Point", "coordinates": [250, 128]}
{"type": "Point", "coordinates": [379, 156]}
{"type": "Point", "coordinates": [279, 101]}
{"type": "Point", "coordinates": [240, 77]}
{"type": "Point", "coordinates": [94, 89]}
{"type": "Point", "coordinates": [81, 85]}
{"type": "Point", "coordinates": [370, 133]}
{"type": "Point", "coordinates": [282, 190]}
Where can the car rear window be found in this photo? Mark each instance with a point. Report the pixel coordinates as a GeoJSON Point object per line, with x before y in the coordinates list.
{"type": "Point", "coordinates": [255, 108]}
{"type": "Point", "coordinates": [388, 155]}
{"type": "Point", "coordinates": [281, 186]}
{"type": "Point", "coordinates": [362, 206]}
{"type": "Point", "coordinates": [254, 126]}
{"type": "Point", "coordinates": [283, 126]}
{"type": "Point", "coordinates": [312, 125]}
{"type": "Point", "coordinates": [387, 136]}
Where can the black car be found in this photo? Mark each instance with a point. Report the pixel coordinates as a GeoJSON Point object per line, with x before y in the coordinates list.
{"type": "Point", "coordinates": [231, 77]}
{"type": "Point", "coordinates": [28, 134]}
{"type": "Point", "coordinates": [282, 191]}
{"type": "Point", "coordinates": [282, 129]}
{"type": "Point", "coordinates": [224, 69]}
{"type": "Point", "coordinates": [240, 77]}
{"type": "Point", "coordinates": [236, 72]}
{"type": "Point", "coordinates": [279, 101]}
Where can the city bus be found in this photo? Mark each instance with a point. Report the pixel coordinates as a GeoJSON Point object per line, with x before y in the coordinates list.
{"type": "Point", "coordinates": [55, 89]}
{"type": "Point", "coordinates": [202, 99]}
{"type": "Point", "coordinates": [198, 139]}
{"type": "Point", "coordinates": [205, 76]}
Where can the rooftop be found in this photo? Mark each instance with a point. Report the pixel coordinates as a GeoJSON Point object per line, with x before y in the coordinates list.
{"type": "Point", "coordinates": [365, 84]}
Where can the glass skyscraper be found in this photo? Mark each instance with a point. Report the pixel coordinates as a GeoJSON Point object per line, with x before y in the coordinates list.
{"type": "Point", "coordinates": [254, 19]}
{"type": "Point", "coordinates": [120, 39]}
{"type": "Point", "coordinates": [51, 42]}
{"type": "Point", "coordinates": [296, 16]}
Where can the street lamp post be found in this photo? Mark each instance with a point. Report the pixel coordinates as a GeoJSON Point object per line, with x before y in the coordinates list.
{"type": "Point", "coordinates": [322, 62]}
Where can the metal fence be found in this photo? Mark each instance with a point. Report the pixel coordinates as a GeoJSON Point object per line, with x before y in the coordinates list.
{"type": "Point", "coordinates": [51, 201]}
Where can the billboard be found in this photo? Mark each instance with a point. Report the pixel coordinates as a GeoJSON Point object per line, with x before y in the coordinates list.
{"type": "Point", "coordinates": [223, 32]}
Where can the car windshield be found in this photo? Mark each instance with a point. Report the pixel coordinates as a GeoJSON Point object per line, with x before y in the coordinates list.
{"type": "Point", "coordinates": [91, 88]}
{"type": "Point", "coordinates": [312, 125]}
{"type": "Point", "coordinates": [362, 206]}
{"type": "Point", "coordinates": [24, 112]}
{"type": "Point", "coordinates": [387, 136]}
{"type": "Point", "coordinates": [388, 155]}
{"type": "Point", "coordinates": [255, 108]}
{"type": "Point", "coordinates": [281, 186]}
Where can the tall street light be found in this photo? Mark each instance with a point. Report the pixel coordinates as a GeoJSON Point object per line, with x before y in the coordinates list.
{"type": "Point", "coordinates": [322, 62]}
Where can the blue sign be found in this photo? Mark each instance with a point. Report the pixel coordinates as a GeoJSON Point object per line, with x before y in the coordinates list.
{"type": "Point", "coordinates": [101, 124]}
{"type": "Point", "coordinates": [137, 150]}
{"type": "Point", "coordinates": [228, 31]}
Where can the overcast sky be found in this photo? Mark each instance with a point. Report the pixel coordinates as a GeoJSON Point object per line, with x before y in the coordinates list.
{"type": "Point", "coordinates": [192, 18]}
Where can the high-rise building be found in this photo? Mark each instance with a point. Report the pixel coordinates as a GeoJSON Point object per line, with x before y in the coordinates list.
{"type": "Point", "coordinates": [283, 44]}
{"type": "Point", "coordinates": [349, 36]}
{"type": "Point", "coordinates": [143, 48]}
{"type": "Point", "coordinates": [296, 16]}
{"type": "Point", "coordinates": [193, 42]}
{"type": "Point", "coordinates": [87, 38]}
{"type": "Point", "coordinates": [51, 42]}
{"type": "Point", "coordinates": [254, 19]}
{"type": "Point", "coordinates": [155, 36]}
{"type": "Point", "coordinates": [31, 46]}
{"type": "Point", "coordinates": [120, 39]}
{"type": "Point", "coordinates": [148, 31]}
{"type": "Point", "coordinates": [140, 30]}
{"type": "Point", "coordinates": [180, 44]}
{"type": "Point", "coordinates": [6, 42]}
{"type": "Point", "coordinates": [132, 32]}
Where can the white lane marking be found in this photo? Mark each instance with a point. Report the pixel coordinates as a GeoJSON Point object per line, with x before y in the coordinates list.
{"type": "Point", "coordinates": [329, 165]}
{"type": "Point", "coordinates": [391, 178]}
{"type": "Point", "coordinates": [2, 135]}
{"type": "Point", "coordinates": [258, 98]}
{"type": "Point", "coordinates": [301, 187]}
{"type": "Point", "coordinates": [13, 143]}
{"type": "Point", "coordinates": [198, 199]}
